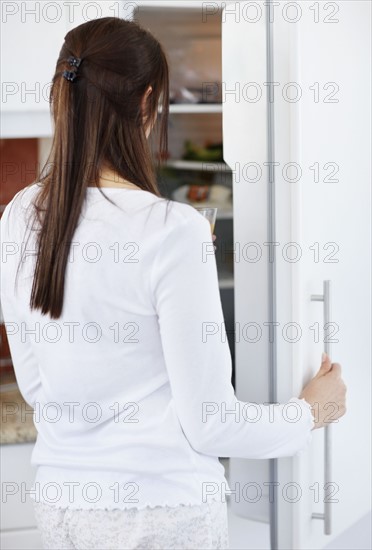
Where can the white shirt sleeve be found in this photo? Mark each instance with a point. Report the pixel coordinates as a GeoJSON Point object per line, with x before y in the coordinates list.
{"type": "Point", "coordinates": [186, 296]}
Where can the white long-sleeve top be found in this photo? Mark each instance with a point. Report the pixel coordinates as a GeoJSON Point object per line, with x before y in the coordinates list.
{"type": "Point", "coordinates": [131, 389]}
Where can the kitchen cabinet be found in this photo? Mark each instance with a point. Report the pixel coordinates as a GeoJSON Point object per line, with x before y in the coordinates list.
{"type": "Point", "coordinates": [18, 524]}
{"type": "Point", "coordinates": [27, 71]}
{"type": "Point", "coordinates": [303, 223]}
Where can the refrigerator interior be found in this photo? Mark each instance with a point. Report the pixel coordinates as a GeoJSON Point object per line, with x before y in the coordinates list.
{"type": "Point", "coordinates": [194, 51]}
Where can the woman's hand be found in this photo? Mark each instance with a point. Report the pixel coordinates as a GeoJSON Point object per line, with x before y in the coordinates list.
{"type": "Point", "coordinates": [326, 393]}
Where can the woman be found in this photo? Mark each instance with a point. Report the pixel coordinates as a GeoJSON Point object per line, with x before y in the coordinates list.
{"type": "Point", "coordinates": [116, 290]}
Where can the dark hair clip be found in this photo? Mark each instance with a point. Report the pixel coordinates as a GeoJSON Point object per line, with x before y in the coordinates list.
{"type": "Point", "coordinates": [74, 61]}
{"type": "Point", "coordinates": [69, 75]}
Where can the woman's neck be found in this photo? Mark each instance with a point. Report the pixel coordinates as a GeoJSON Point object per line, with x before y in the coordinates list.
{"type": "Point", "coordinates": [109, 178]}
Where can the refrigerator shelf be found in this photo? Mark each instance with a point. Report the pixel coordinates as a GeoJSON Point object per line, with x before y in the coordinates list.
{"type": "Point", "coordinates": [195, 108]}
{"type": "Point", "coordinates": [204, 166]}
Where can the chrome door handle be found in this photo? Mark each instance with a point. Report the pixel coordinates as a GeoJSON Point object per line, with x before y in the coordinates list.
{"type": "Point", "coordinates": [326, 515]}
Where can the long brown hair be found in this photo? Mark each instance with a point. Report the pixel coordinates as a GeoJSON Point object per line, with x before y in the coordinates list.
{"type": "Point", "coordinates": [98, 121]}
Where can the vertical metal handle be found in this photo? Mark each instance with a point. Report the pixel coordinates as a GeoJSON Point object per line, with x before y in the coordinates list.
{"type": "Point", "coordinates": [326, 515]}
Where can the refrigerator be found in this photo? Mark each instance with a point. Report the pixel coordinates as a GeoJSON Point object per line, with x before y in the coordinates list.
{"type": "Point", "coordinates": [297, 137]}
{"type": "Point", "coordinates": [294, 115]}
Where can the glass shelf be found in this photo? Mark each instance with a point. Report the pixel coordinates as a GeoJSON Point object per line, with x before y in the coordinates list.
{"type": "Point", "coordinates": [195, 108]}
{"type": "Point", "coordinates": [201, 166]}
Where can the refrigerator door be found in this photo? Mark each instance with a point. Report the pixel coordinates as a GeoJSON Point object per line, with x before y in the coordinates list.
{"type": "Point", "coordinates": [314, 209]}
{"type": "Point", "coordinates": [322, 124]}
{"type": "Point", "coordinates": [244, 97]}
